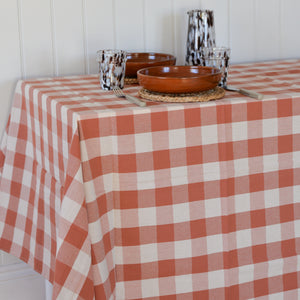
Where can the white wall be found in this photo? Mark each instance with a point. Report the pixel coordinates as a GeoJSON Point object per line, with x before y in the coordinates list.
{"type": "Point", "coordinates": [60, 37]}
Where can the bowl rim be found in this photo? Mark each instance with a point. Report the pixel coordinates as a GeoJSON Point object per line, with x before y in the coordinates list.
{"type": "Point", "coordinates": [140, 72]}
{"type": "Point", "coordinates": [165, 56]}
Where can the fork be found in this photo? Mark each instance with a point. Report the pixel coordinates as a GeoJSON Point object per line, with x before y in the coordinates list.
{"type": "Point", "coordinates": [120, 94]}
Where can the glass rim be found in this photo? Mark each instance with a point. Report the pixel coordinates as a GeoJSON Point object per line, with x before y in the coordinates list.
{"type": "Point", "coordinates": [214, 58]}
{"type": "Point", "coordinates": [199, 11]}
{"type": "Point", "coordinates": [215, 49]}
{"type": "Point", "coordinates": [111, 51]}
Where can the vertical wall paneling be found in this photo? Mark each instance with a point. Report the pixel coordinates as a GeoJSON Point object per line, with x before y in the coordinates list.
{"type": "Point", "coordinates": [68, 26]}
{"type": "Point", "coordinates": [10, 61]}
{"type": "Point", "coordinates": [85, 41]}
{"type": "Point", "coordinates": [37, 38]}
{"type": "Point", "coordinates": [100, 29]}
{"type": "Point", "coordinates": [290, 25]}
{"type": "Point", "coordinates": [53, 39]}
{"type": "Point", "coordinates": [159, 26]}
{"type": "Point", "coordinates": [21, 40]}
{"type": "Point", "coordinates": [242, 33]}
{"type": "Point", "coordinates": [267, 41]}
{"type": "Point", "coordinates": [180, 9]}
{"type": "Point", "coordinates": [221, 16]}
{"type": "Point", "coordinates": [129, 24]}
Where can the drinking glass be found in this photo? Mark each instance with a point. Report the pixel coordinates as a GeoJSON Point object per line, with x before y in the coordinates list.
{"type": "Point", "coordinates": [112, 66]}
{"type": "Point", "coordinates": [217, 57]}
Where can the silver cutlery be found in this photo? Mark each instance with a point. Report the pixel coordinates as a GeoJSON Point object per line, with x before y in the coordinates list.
{"type": "Point", "coordinates": [245, 92]}
{"type": "Point", "coordinates": [120, 94]}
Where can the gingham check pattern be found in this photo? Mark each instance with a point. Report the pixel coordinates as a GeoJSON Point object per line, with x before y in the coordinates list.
{"type": "Point", "coordinates": [108, 200]}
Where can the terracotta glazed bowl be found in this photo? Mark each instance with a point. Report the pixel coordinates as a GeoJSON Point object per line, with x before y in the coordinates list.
{"type": "Point", "coordinates": [140, 60]}
{"type": "Point", "coordinates": [179, 79]}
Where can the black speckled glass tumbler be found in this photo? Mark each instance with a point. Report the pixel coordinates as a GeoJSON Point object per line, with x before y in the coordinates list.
{"type": "Point", "coordinates": [217, 57]}
{"type": "Point", "coordinates": [112, 66]}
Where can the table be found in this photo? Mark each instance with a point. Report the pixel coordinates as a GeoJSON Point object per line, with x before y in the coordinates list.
{"type": "Point", "coordinates": [108, 200]}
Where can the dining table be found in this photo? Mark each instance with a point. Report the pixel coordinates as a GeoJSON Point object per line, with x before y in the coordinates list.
{"type": "Point", "coordinates": [109, 200]}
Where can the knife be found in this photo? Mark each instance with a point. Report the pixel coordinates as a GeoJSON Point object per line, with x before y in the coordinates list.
{"type": "Point", "coordinates": [245, 92]}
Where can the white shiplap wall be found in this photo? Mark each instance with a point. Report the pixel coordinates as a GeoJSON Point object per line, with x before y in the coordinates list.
{"type": "Point", "coordinates": [61, 37]}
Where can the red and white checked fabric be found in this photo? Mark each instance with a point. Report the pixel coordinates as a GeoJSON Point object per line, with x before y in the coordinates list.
{"type": "Point", "coordinates": [108, 200]}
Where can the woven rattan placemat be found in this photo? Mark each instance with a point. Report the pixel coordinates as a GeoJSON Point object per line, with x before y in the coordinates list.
{"type": "Point", "coordinates": [205, 96]}
{"type": "Point", "coordinates": [130, 80]}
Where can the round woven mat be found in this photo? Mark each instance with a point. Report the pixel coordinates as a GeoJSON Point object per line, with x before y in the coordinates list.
{"type": "Point", "coordinates": [205, 96]}
{"type": "Point", "coordinates": [130, 80]}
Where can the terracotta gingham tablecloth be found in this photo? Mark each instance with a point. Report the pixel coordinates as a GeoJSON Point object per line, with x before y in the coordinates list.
{"type": "Point", "coordinates": [108, 200]}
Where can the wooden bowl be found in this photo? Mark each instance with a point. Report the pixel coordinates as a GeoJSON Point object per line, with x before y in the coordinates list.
{"type": "Point", "coordinates": [179, 79]}
{"type": "Point", "coordinates": [140, 60]}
